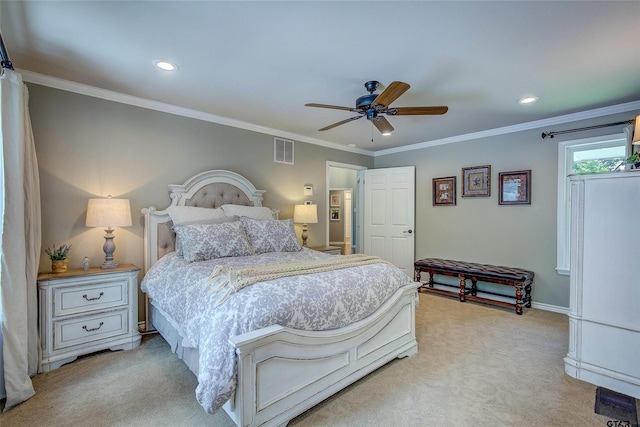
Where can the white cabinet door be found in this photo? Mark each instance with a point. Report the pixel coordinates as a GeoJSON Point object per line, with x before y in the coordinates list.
{"type": "Point", "coordinates": [604, 316]}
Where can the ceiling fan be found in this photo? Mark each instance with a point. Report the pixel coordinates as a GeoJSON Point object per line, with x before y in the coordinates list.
{"type": "Point", "coordinates": [372, 106]}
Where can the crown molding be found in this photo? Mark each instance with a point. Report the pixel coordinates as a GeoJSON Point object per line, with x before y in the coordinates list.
{"type": "Point", "coordinates": [82, 89]}
{"type": "Point", "coordinates": [567, 118]}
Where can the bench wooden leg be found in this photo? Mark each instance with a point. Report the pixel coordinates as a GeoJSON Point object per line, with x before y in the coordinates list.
{"type": "Point", "coordinates": [474, 288]}
{"type": "Point", "coordinates": [431, 279]}
{"type": "Point", "coordinates": [519, 299]}
{"type": "Point", "coordinates": [527, 290]}
{"type": "Point", "coordinates": [463, 288]}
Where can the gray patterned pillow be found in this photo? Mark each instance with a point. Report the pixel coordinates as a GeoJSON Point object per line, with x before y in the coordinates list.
{"type": "Point", "coordinates": [201, 242]}
{"type": "Point", "coordinates": [178, 245]}
{"type": "Point", "coordinates": [271, 235]}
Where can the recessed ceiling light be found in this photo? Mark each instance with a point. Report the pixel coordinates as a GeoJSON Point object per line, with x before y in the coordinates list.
{"type": "Point", "coordinates": [528, 100]}
{"type": "Point", "coordinates": [166, 66]}
{"type": "Point", "coordinates": [352, 145]}
{"type": "Point", "coordinates": [386, 133]}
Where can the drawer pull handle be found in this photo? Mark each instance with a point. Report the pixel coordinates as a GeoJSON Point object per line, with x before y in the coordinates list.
{"type": "Point", "coordinates": [92, 299]}
{"type": "Point", "coordinates": [93, 329]}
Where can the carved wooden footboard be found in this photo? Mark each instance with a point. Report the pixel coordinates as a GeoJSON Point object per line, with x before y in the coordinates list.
{"type": "Point", "coordinates": [283, 372]}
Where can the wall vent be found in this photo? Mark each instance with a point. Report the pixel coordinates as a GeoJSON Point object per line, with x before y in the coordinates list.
{"type": "Point", "coordinates": [282, 151]}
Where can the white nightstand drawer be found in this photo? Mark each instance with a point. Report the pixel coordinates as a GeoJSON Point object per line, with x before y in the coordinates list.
{"type": "Point", "coordinates": [82, 330]}
{"type": "Point", "coordinates": [83, 311]}
{"type": "Point", "coordinates": [83, 298]}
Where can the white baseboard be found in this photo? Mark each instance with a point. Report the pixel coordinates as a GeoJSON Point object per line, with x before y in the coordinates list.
{"type": "Point", "coordinates": [549, 307]}
{"type": "Point", "coordinates": [336, 243]}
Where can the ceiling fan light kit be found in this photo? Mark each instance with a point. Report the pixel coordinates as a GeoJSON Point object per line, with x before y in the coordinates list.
{"type": "Point", "coordinates": [372, 106]}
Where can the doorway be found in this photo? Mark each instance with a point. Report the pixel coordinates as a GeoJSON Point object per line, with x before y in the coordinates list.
{"type": "Point", "coordinates": [341, 219]}
{"type": "Point", "coordinates": [344, 177]}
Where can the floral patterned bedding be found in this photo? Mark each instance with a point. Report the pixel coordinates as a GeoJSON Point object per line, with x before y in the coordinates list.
{"type": "Point", "coordinates": [319, 301]}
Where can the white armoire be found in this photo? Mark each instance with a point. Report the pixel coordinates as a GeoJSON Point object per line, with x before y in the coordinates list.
{"type": "Point", "coordinates": [604, 313]}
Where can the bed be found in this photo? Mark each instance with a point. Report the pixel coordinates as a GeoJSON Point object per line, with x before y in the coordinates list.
{"type": "Point", "coordinates": [269, 373]}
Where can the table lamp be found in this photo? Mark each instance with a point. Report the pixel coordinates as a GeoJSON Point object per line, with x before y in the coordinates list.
{"type": "Point", "coordinates": [305, 214]}
{"type": "Point", "coordinates": [108, 213]}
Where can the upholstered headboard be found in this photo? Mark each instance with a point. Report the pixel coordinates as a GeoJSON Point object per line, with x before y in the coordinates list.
{"type": "Point", "coordinates": [210, 189]}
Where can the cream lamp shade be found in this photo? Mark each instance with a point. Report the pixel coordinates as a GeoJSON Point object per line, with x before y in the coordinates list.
{"type": "Point", "coordinates": [305, 214]}
{"type": "Point", "coordinates": [636, 131]}
{"type": "Point", "coordinates": [108, 212]}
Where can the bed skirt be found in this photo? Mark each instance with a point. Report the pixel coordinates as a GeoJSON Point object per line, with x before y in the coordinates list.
{"type": "Point", "coordinates": [170, 333]}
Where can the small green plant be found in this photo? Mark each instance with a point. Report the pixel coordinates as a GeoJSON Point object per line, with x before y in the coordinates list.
{"type": "Point", "coordinates": [634, 158]}
{"type": "Point", "coordinates": [58, 253]}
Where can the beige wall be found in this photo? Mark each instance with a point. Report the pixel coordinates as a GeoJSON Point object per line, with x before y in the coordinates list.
{"type": "Point", "coordinates": [89, 147]}
{"type": "Point", "coordinates": [477, 229]}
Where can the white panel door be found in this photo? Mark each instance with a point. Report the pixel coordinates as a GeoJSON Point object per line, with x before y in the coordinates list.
{"type": "Point", "coordinates": [389, 207]}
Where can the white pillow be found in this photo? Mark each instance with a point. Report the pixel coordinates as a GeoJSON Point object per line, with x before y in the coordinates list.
{"type": "Point", "coordinates": [201, 242]}
{"type": "Point", "coordinates": [271, 235]}
{"type": "Point", "coordinates": [181, 214]}
{"type": "Point", "coordinates": [253, 212]}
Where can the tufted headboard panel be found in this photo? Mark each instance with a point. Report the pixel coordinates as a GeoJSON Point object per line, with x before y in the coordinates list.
{"type": "Point", "coordinates": [216, 195]}
{"type": "Point", "coordinates": [210, 189]}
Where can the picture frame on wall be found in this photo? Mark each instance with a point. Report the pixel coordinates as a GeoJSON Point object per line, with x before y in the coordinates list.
{"type": "Point", "coordinates": [334, 214]}
{"type": "Point", "coordinates": [444, 191]}
{"type": "Point", "coordinates": [515, 187]}
{"type": "Point", "coordinates": [476, 181]}
{"type": "Point", "coordinates": [335, 200]}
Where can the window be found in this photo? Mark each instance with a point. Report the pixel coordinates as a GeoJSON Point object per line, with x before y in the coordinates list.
{"type": "Point", "coordinates": [591, 155]}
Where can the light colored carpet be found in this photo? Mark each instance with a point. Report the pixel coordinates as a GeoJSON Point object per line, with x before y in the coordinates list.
{"type": "Point", "coordinates": [476, 366]}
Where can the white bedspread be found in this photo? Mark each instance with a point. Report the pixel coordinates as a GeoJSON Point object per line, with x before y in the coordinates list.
{"type": "Point", "coordinates": [318, 301]}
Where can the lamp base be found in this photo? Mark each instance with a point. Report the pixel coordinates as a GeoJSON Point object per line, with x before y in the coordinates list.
{"type": "Point", "coordinates": [109, 248]}
{"type": "Point", "coordinates": [305, 235]}
{"type": "Point", "coordinates": [105, 265]}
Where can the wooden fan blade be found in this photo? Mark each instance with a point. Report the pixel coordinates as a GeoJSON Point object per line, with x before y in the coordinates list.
{"type": "Point", "coordinates": [417, 111]}
{"type": "Point", "coordinates": [334, 107]}
{"type": "Point", "coordinates": [383, 125]}
{"type": "Point", "coordinates": [391, 93]}
{"type": "Point", "coordinates": [340, 123]}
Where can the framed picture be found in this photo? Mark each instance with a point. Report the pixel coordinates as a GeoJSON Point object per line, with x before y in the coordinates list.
{"type": "Point", "coordinates": [335, 200]}
{"type": "Point", "coordinates": [515, 187]}
{"type": "Point", "coordinates": [334, 214]}
{"type": "Point", "coordinates": [444, 191]}
{"type": "Point", "coordinates": [476, 181]}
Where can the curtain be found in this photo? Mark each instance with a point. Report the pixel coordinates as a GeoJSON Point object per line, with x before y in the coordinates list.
{"type": "Point", "coordinates": [20, 241]}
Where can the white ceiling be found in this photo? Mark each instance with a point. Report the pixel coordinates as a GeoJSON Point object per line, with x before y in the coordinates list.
{"type": "Point", "coordinates": [260, 62]}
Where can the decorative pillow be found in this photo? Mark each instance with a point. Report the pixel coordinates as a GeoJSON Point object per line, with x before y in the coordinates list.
{"type": "Point", "coordinates": [201, 242]}
{"type": "Point", "coordinates": [253, 212]}
{"type": "Point", "coordinates": [178, 245]}
{"type": "Point", "coordinates": [182, 214]}
{"type": "Point", "coordinates": [271, 235]}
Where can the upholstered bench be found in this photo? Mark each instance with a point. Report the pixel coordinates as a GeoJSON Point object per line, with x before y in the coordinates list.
{"type": "Point", "coordinates": [518, 278]}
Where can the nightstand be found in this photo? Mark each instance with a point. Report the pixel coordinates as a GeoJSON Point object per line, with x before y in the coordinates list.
{"type": "Point", "coordinates": [333, 250]}
{"type": "Point", "coordinates": [82, 312]}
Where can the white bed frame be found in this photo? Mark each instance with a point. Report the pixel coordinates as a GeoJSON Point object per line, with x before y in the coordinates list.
{"type": "Point", "coordinates": [282, 372]}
